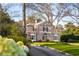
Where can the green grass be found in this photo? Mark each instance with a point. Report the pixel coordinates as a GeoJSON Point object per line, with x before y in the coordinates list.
{"type": "Point", "coordinates": [71, 49]}
{"type": "Point", "coordinates": [74, 43]}
{"type": "Point", "coordinates": [42, 43]}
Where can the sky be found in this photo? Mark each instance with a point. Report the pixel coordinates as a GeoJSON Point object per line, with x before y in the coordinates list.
{"type": "Point", "coordinates": [16, 13]}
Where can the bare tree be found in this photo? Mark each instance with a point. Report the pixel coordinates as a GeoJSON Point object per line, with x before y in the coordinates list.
{"type": "Point", "coordinates": [75, 15]}
{"type": "Point", "coordinates": [48, 12]}
{"type": "Point", "coordinates": [42, 9]}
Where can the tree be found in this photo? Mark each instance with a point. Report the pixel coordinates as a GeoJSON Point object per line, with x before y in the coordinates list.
{"type": "Point", "coordinates": [24, 18]}
{"type": "Point", "coordinates": [43, 9]}
{"type": "Point", "coordinates": [9, 28]}
{"type": "Point", "coordinates": [69, 28]}
{"type": "Point", "coordinates": [4, 20]}
{"type": "Point", "coordinates": [16, 33]}
{"type": "Point", "coordinates": [31, 19]}
{"type": "Point", "coordinates": [71, 32]}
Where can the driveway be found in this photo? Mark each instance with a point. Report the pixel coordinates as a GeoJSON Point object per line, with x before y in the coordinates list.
{"type": "Point", "coordinates": [44, 51]}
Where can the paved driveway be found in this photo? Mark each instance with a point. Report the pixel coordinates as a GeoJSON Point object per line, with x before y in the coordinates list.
{"type": "Point", "coordinates": [44, 51]}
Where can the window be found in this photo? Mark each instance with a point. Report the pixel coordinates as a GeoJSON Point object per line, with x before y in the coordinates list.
{"type": "Point", "coordinates": [45, 28]}
{"type": "Point", "coordinates": [44, 36]}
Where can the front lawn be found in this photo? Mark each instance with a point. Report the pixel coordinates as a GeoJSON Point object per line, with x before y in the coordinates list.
{"type": "Point", "coordinates": [71, 49]}
{"type": "Point", "coordinates": [42, 43]}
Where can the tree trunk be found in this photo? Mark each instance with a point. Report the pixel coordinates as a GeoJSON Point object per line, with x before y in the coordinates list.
{"type": "Point", "coordinates": [24, 19]}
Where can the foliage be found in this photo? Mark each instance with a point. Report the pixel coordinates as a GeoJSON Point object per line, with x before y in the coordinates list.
{"type": "Point", "coordinates": [16, 34]}
{"type": "Point", "coordinates": [65, 38]}
{"type": "Point", "coordinates": [8, 47]}
{"type": "Point", "coordinates": [71, 32]}
{"type": "Point", "coordinates": [5, 23]}
{"type": "Point", "coordinates": [10, 29]}
{"type": "Point", "coordinates": [21, 44]}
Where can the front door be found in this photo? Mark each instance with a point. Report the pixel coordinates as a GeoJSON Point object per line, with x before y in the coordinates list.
{"type": "Point", "coordinates": [45, 36]}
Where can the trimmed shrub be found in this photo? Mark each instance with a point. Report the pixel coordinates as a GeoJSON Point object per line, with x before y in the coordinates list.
{"type": "Point", "coordinates": [69, 38]}
{"type": "Point", "coordinates": [8, 47]}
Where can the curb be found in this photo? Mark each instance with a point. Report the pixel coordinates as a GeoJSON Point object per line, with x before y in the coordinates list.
{"type": "Point", "coordinates": [61, 51]}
